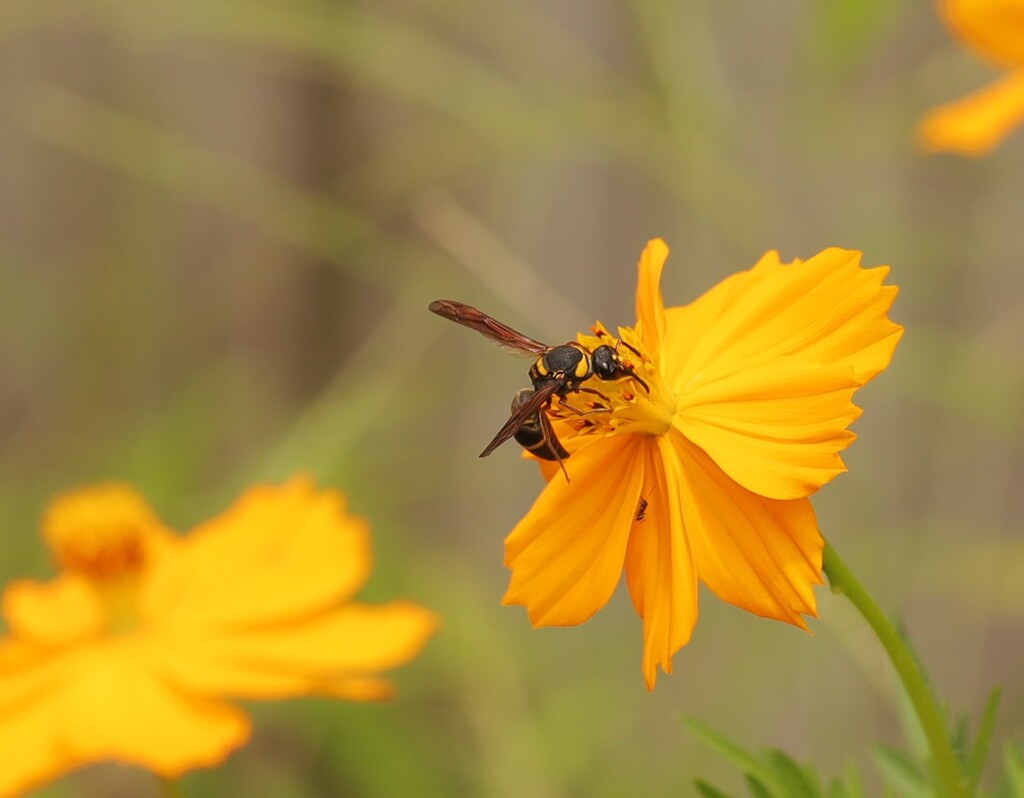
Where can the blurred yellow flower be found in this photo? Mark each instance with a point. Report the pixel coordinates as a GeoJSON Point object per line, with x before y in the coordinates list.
{"type": "Point", "coordinates": [980, 121]}
{"type": "Point", "coordinates": [130, 653]}
{"type": "Point", "coordinates": [705, 475]}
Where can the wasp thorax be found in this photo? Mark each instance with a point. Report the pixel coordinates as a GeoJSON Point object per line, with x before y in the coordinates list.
{"type": "Point", "coordinates": [566, 360]}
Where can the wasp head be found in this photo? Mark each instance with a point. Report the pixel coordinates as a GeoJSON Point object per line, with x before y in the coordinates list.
{"type": "Point", "coordinates": [606, 364]}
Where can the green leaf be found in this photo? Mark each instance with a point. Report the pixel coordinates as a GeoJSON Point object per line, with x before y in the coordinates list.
{"type": "Point", "coordinates": [757, 788]}
{"type": "Point", "coordinates": [735, 753]}
{"type": "Point", "coordinates": [960, 739]}
{"type": "Point", "coordinates": [1013, 771]}
{"type": "Point", "coordinates": [901, 772]}
{"type": "Point", "coordinates": [708, 791]}
{"type": "Point", "coordinates": [836, 789]}
{"type": "Point", "coordinates": [850, 788]}
{"type": "Point", "coordinates": [854, 788]}
{"type": "Point", "coordinates": [913, 732]}
{"type": "Point", "coordinates": [979, 752]}
{"type": "Point", "coordinates": [794, 780]}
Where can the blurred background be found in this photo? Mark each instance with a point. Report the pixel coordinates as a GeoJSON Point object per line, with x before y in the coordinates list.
{"type": "Point", "coordinates": [221, 223]}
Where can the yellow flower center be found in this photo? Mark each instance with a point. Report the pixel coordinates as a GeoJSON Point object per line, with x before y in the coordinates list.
{"type": "Point", "coordinates": [100, 532]}
{"type": "Point", "coordinates": [108, 534]}
{"type": "Point", "coordinates": [643, 403]}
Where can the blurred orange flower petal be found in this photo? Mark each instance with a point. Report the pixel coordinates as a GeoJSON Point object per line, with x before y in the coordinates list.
{"type": "Point", "coordinates": [995, 28]}
{"type": "Point", "coordinates": [281, 661]}
{"type": "Point", "coordinates": [32, 753]}
{"type": "Point", "coordinates": [125, 711]}
{"type": "Point", "coordinates": [60, 611]}
{"type": "Point", "coordinates": [26, 672]}
{"type": "Point", "coordinates": [358, 688]}
{"type": "Point", "coordinates": [292, 550]}
{"type": "Point", "coordinates": [101, 704]}
{"type": "Point", "coordinates": [976, 124]}
{"type": "Point", "coordinates": [130, 653]}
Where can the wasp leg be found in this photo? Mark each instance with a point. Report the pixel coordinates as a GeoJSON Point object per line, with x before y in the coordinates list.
{"type": "Point", "coordinates": [576, 411]}
{"type": "Point", "coordinates": [595, 392]}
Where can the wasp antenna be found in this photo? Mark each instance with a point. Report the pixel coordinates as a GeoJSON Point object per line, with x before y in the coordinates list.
{"type": "Point", "coordinates": [632, 349]}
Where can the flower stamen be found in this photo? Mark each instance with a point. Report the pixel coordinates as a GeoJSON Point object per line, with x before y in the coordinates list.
{"type": "Point", "coordinates": [623, 408]}
{"type": "Point", "coordinates": [103, 532]}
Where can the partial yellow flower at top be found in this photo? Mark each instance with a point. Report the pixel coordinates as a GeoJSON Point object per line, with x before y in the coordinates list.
{"type": "Point", "coordinates": [702, 472]}
{"type": "Point", "coordinates": [980, 121]}
{"type": "Point", "coordinates": [132, 653]}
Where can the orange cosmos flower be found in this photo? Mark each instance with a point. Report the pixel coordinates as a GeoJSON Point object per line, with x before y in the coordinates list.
{"type": "Point", "coordinates": [130, 653]}
{"type": "Point", "coordinates": [706, 475]}
{"type": "Point", "coordinates": [977, 123]}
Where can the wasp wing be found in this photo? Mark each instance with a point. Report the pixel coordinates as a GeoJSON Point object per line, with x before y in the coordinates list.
{"type": "Point", "coordinates": [526, 410]}
{"type": "Point", "coordinates": [554, 448]}
{"type": "Point", "coordinates": [501, 334]}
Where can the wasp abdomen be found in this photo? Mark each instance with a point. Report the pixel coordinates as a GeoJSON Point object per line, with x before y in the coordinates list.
{"type": "Point", "coordinates": [535, 433]}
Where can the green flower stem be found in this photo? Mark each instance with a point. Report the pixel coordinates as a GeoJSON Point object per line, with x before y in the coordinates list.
{"type": "Point", "coordinates": [953, 781]}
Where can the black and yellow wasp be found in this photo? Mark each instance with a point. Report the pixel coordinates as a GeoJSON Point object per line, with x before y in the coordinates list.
{"type": "Point", "coordinates": [557, 371]}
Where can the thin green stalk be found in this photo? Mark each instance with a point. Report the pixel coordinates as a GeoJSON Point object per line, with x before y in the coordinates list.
{"type": "Point", "coordinates": [953, 781]}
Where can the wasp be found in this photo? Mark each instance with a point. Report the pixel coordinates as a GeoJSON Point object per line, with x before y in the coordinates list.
{"type": "Point", "coordinates": [557, 371]}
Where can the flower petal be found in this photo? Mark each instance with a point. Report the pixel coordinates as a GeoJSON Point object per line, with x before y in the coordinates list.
{"type": "Point", "coordinates": [650, 309]}
{"type": "Point", "coordinates": [116, 707]}
{"type": "Point", "coordinates": [760, 554]}
{"type": "Point", "coordinates": [778, 428]}
{"type": "Point", "coordinates": [660, 571]}
{"type": "Point", "coordinates": [309, 655]}
{"type": "Point", "coordinates": [26, 738]}
{"type": "Point", "coordinates": [106, 704]}
{"type": "Point", "coordinates": [779, 350]}
{"type": "Point", "coordinates": [61, 611]}
{"type": "Point", "coordinates": [686, 324]}
{"type": "Point", "coordinates": [279, 552]}
{"type": "Point", "coordinates": [827, 309]}
{"type": "Point", "coordinates": [27, 674]}
{"type": "Point", "coordinates": [977, 123]}
{"type": "Point", "coordinates": [358, 688]}
{"type": "Point", "coordinates": [995, 28]}
{"type": "Point", "coordinates": [567, 554]}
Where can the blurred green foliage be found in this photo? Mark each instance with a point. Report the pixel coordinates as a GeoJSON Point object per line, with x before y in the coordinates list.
{"type": "Point", "coordinates": [902, 773]}
{"type": "Point", "coordinates": [220, 226]}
